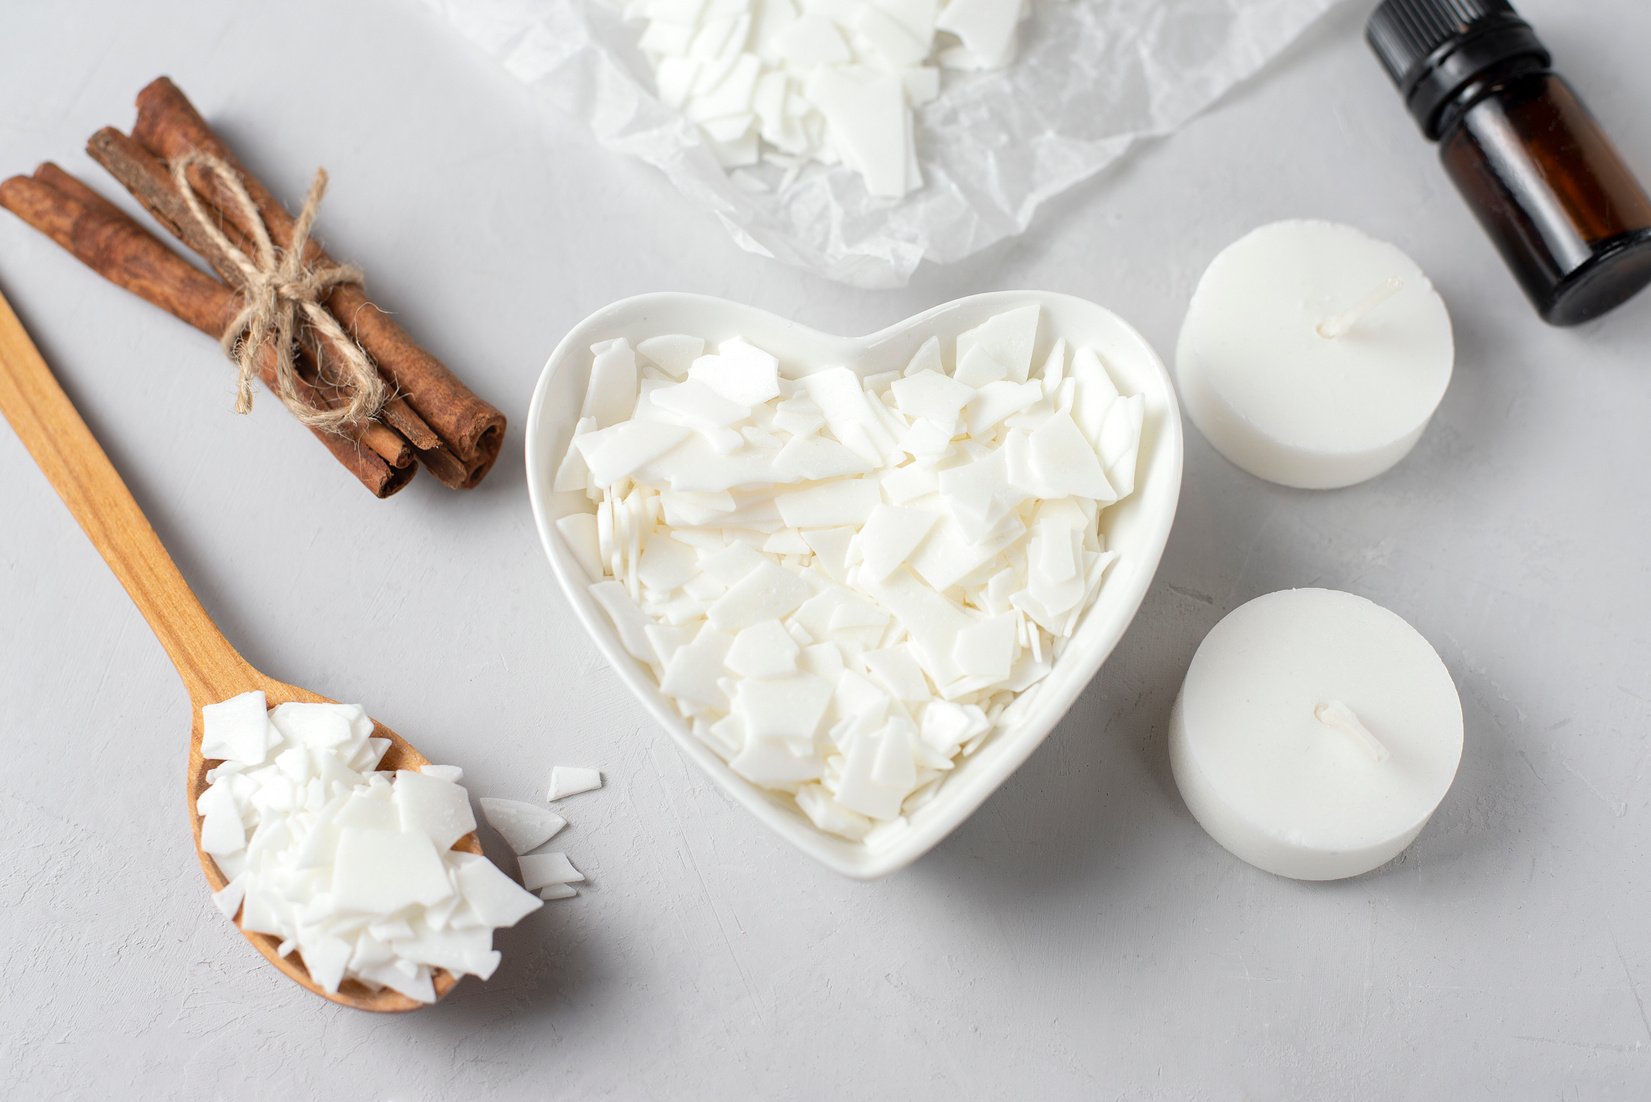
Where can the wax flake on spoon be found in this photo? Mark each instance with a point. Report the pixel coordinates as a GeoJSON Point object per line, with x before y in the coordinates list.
{"type": "Point", "coordinates": [844, 603]}
{"type": "Point", "coordinates": [350, 868]}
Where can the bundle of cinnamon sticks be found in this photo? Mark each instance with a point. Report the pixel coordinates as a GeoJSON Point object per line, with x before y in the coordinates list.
{"type": "Point", "coordinates": [431, 418]}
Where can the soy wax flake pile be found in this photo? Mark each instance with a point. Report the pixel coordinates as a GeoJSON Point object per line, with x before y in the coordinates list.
{"type": "Point", "coordinates": [843, 583]}
{"type": "Point", "coordinates": [826, 81]}
{"type": "Point", "coordinates": [352, 868]}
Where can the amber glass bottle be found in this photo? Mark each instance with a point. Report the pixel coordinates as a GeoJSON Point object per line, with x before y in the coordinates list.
{"type": "Point", "coordinates": [1564, 209]}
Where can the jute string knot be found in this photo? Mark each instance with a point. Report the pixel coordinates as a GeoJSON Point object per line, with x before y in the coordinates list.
{"type": "Point", "coordinates": [280, 292]}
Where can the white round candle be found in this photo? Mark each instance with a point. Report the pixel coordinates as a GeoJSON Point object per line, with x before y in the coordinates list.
{"type": "Point", "coordinates": [1313, 355]}
{"type": "Point", "coordinates": [1315, 734]}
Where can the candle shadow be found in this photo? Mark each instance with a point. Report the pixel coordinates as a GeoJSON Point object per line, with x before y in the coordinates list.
{"type": "Point", "coordinates": [1097, 798]}
{"type": "Point", "coordinates": [1098, 804]}
{"type": "Point", "coordinates": [1491, 801]}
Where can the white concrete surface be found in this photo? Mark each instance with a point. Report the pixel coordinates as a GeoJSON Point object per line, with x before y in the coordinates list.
{"type": "Point", "coordinates": [1080, 937]}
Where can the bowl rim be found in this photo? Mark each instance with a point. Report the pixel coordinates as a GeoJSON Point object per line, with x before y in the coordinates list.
{"type": "Point", "coordinates": [1015, 743]}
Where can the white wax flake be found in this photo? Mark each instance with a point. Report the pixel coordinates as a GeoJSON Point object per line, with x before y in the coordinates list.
{"type": "Point", "coordinates": [699, 404]}
{"type": "Point", "coordinates": [351, 869]}
{"type": "Point", "coordinates": [1007, 338]}
{"type": "Point", "coordinates": [782, 707]}
{"type": "Point", "coordinates": [987, 28]}
{"type": "Point", "coordinates": [382, 871]}
{"type": "Point", "coordinates": [831, 547]}
{"type": "Point", "coordinates": [813, 40]}
{"type": "Point", "coordinates": [1095, 392]}
{"type": "Point", "coordinates": [672, 353]}
{"type": "Point", "coordinates": [665, 563]}
{"type": "Point", "coordinates": [615, 453]}
{"type": "Point", "coordinates": [766, 593]}
{"type": "Point", "coordinates": [611, 392]}
{"type": "Point", "coordinates": [926, 358]}
{"type": "Point", "coordinates": [840, 397]}
{"type": "Point", "coordinates": [558, 891]}
{"type": "Point", "coordinates": [764, 649]}
{"type": "Point", "coordinates": [628, 620]}
{"type": "Point", "coordinates": [865, 110]}
{"type": "Point", "coordinates": [569, 780]}
{"type": "Point", "coordinates": [772, 763]}
{"type": "Point", "coordinates": [228, 898]}
{"type": "Point", "coordinates": [889, 537]}
{"type": "Point", "coordinates": [236, 729]}
{"type": "Point", "coordinates": [947, 726]}
{"type": "Point", "coordinates": [808, 458]}
{"type": "Point", "coordinates": [843, 581]}
{"type": "Point", "coordinates": [692, 673]}
{"type": "Point", "coordinates": [741, 373]}
{"type": "Point", "coordinates": [829, 815]}
{"type": "Point", "coordinates": [931, 395]}
{"type": "Point", "coordinates": [222, 831]}
{"type": "Point", "coordinates": [994, 402]}
{"type": "Point", "coordinates": [899, 672]}
{"type": "Point", "coordinates": [1120, 442]}
{"type": "Point", "coordinates": [523, 826]}
{"type": "Point", "coordinates": [434, 807]}
{"type": "Point", "coordinates": [542, 869]}
{"type": "Point", "coordinates": [830, 504]}
{"type": "Point", "coordinates": [986, 649]}
{"type": "Point", "coordinates": [858, 789]}
{"type": "Point", "coordinates": [978, 366]}
{"type": "Point", "coordinates": [1066, 464]}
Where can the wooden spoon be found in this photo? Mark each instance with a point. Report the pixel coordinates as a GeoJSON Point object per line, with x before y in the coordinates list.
{"type": "Point", "coordinates": [211, 669]}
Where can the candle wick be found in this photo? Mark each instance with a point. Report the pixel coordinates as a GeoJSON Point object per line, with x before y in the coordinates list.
{"type": "Point", "coordinates": [1338, 326]}
{"type": "Point", "coordinates": [1343, 720]}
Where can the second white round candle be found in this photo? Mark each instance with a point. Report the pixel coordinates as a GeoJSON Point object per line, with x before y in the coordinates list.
{"type": "Point", "coordinates": [1315, 734]}
{"type": "Point", "coordinates": [1314, 355]}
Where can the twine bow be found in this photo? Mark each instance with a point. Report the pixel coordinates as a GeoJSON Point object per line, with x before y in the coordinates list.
{"type": "Point", "coordinates": [280, 291]}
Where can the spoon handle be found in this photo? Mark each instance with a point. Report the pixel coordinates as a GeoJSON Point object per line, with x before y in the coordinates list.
{"type": "Point", "coordinates": [65, 449]}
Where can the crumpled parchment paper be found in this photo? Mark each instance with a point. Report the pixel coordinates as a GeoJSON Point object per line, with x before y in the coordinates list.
{"type": "Point", "coordinates": [1092, 76]}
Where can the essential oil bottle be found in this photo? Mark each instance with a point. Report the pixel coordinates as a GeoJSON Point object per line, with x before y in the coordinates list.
{"type": "Point", "coordinates": [1559, 201]}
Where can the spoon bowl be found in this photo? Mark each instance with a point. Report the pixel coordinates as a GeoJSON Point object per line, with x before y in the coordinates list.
{"type": "Point", "coordinates": [212, 670]}
{"type": "Point", "coordinates": [400, 754]}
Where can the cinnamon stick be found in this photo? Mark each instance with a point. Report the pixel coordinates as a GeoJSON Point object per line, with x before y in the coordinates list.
{"type": "Point", "coordinates": [146, 177]}
{"type": "Point", "coordinates": [471, 429]}
{"type": "Point", "coordinates": [391, 447]}
{"type": "Point", "coordinates": [101, 236]}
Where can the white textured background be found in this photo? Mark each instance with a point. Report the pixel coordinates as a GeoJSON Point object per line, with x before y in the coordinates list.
{"type": "Point", "coordinates": [1080, 937]}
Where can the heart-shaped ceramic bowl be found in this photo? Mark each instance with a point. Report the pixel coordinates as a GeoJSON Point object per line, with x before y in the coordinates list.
{"type": "Point", "coordinates": [1137, 527]}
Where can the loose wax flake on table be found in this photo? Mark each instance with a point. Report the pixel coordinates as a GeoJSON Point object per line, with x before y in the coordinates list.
{"type": "Point", "coordinates": [567, 780]}
{"type": "Point", "coordinates": [523, 826]}
{"type": "Point", "coordinates": [542, 869]}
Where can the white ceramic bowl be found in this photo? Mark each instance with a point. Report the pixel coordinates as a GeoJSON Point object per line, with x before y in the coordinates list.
{"type": "Point", "coordinates": [1137, 527]}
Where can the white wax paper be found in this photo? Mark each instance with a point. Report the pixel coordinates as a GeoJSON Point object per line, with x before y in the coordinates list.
{"type": "Point", "coordinates": [1090, 78]}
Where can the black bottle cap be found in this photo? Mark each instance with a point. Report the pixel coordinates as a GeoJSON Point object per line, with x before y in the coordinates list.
{"type": "Point", "coordinates": [1434, 48]}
